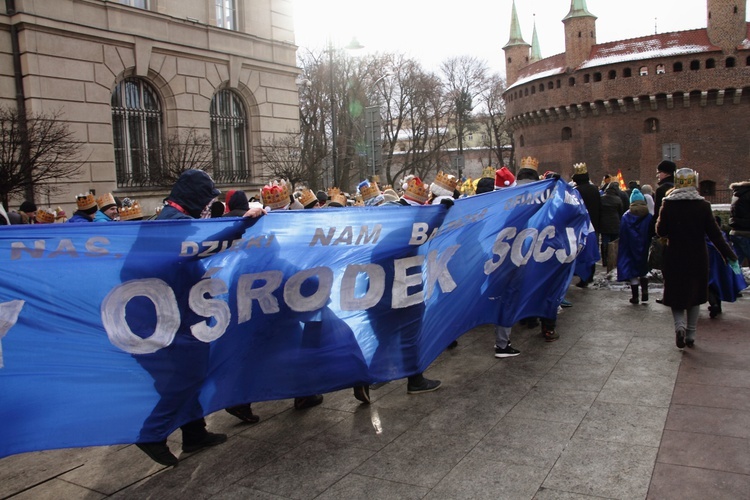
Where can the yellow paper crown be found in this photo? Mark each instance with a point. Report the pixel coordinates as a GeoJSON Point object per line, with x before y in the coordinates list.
{"type": "Point", "coordinates": [46, 216]}
{"type": "Point", "coordinates": [685, 177]}
{"type": "Point", "coordinates": [446, 181]}
{"type": "Point", "coordinates": [338, 198]}
{"type": "Point", "coordinates": [333, 192]}
{"type": "Point", "coordinates": [275, 195]}
{"type": "Point", "coordinates": [368, 191]}
{"type": "Point", "coordinates": [106, 200]}
{"type": "Point", "coordinates": [488, 172]}
{"type": "Point", "coordinates": [417, 191]}
{"type": "Point", "coordinates": [131, 212]}
{"type": "Point", "coordinates": [307, 197]}
{"type": "Point", "coordinates": [580, 168]}
{"type": "Point", "coordinates": [85, 201]}
{"type": "Point", "coordinates": [529, 162]}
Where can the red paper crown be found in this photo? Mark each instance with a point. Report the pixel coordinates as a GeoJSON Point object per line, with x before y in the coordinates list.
{"type": "Point", "coordinates": [416, 191]}
{"type": "Point", "coordinates": [275, 195]}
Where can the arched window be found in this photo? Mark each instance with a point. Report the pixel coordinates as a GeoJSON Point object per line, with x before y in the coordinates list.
{"type": "Point", "coordinates": [586, 78]}
{"type": "Point", "coordinates": [551, 85]}
{"type": "Point", "coordinates": [572, 81]}
{"type": "Point", "coordinates": [651, 126]}
{"type": "Point", "coordinates": [710, 64]}
{"type": "Point", "coordinates": [626, 73]}
{"type": "Point", "coordinates": [695, 65]}
{"type": "Point", "coordinates": [660, 69]}
{"type": "Point", "coordinates": [228, 137]}
{"type": "Point", "coordinates": [541, 87]}
{"type": "Point", "coordinates": [730, 62]}
{"type": "Point", "coordinates": [136, 131]}
{"type": "Point", "coordinates": [597, 77]}
{"type": "Point", "coordinates": [643, 71]}
{"type": "Point", "coordinates": [566, 134]}
{"type": "Point", "coordinates": [707, 188]}
{"type": "Point", "coordinates": [612, 74]}
{"type": "Point", "coordinates": [677, 67]}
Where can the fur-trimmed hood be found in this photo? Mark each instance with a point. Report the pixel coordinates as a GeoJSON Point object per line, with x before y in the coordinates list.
{"type": "Point", "coordinates": [736, 186]}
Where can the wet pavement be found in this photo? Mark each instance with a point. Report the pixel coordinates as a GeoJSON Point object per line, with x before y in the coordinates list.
{"type": "Point", "coordinates": [611, 410]}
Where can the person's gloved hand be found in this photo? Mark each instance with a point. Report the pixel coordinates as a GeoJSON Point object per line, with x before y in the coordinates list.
{"type": "Point", "coordinates": [735, 266]}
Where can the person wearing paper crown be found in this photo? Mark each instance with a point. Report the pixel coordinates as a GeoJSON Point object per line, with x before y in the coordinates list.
{"type": "Point", "coordinates": [686, 219]}
{"type": "Point", "coordinates": [107, 208]}
{"type": "Point", "coordinates": [370, 193]}
{"type": "Point", "coordinates": [443, 188]}
{"type": "Point", "coordinates": [528, 171]}
{"type": "Point", "coordinates": [86, 208]}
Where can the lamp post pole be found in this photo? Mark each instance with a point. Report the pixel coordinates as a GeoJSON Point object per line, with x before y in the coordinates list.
{"type": "Point", "coordinates": [334, 138]}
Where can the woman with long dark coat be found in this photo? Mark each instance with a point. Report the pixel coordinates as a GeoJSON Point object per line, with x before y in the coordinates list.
{"type": "Point", "coordinates": [686, 219]}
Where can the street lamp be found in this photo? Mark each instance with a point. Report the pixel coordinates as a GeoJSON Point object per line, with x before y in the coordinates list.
{"type": "Point", "coordinates": [353, 45]}
{"type": "Point", "coordinates": [373, 131]}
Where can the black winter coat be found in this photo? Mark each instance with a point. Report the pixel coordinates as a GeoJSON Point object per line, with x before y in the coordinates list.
{"type": "Point", "coordinates": [739, 215]}
{"type": "Point", "coordinates": [591, 198]}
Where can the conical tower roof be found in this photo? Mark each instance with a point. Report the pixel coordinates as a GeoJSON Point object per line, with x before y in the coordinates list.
{"type": "Point", "coordinates": [536, 52]}
{"type": "Point", "coordinates": [578, 9]}
{"type": "Point", "coordinates": [515, 30]}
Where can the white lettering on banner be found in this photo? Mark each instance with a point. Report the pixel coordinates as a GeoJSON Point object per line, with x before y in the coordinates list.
{"type": "Point", "coordinates": [533, 198]}
{"type": "Point", "coordinates": [209, 308]}
{"type": "Point", "coordinates": [376, 286]}
{"type": "Point", "coordinates": [211, 247]}
{"type": "Point", "coordinates": [508, 241]}
{"type": "Point", "coordinates": [419, 233]}
{"type": "Point", "coordinates": [167, 315]}
{"type": "Point", "coordinates": [202, 297]}
{"type": "Point", "coordinates": [93, 246]}
{"type": "Point", "coordinates": [9, 312]}
{"type": "Point", "coordinates": [264, 294]}
{"type": "Point", "coordinates": [346, 237]}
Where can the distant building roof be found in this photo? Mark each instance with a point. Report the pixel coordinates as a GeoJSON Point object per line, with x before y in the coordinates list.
{"type": "Point", "coordinates": [635, 49]}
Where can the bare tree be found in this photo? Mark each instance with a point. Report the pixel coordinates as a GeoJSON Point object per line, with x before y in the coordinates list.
{"type": "Point", "coordinates": [34, 159]}
{"type": "Point", "coordinates": [188, 149]}
{"type": "Point", "coordinates": [495, 124]}
{"type": "Point", "coordinates": [282, 160]}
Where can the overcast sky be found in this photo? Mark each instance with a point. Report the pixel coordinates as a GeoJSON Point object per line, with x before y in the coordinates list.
{"type": "Point", "coordinates": [432, 31]}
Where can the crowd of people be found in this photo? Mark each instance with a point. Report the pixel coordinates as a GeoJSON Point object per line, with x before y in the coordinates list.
{"type": "Point", "coordinates": [631, 219]}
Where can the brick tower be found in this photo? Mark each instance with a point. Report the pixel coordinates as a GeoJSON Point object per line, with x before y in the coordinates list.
{"type": "Point", "coordinates": [580, 33]}
{"type": "Point", "coordinates": [726, 24]}
{"type": "Point", "coordinates": [516, 50]}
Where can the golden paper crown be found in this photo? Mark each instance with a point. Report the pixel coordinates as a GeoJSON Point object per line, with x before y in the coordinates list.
{"type": "Point", "coordinates": [275, 195]}
{"type": "Point", "coordinates": [338, 198]}
{"type": "Point", "coordinates": [387, 187]}
{"type": "Point", "coordinates": [685, 177]}
{"type": "Point", "coordinates": [131, 212]}
{"type": "Point", "coordinates": [105, 200]}
{"type": "Point", "coordinates": [416, 191]}
{"type": "Point", "coordinates": [580, 168]}
{"type": "Point", "coordinates": [85, 201]}
{"type": "Point", "coordinates": [446, 181]}
{"type": "Point", "coordinates": [46, 216]}
{"type": "Point", "coordinates": [333, 191]}
{"type": "Point", "coordinates": [488, 172]}
{"type": "Point", "coordinates": [529, 162]}
{"type": "Point", "coordinates": [369, 190]}
{"type": "Point", "coordinates": [358, 201]}
{"type": "Point", "coordinates": [307, 197]}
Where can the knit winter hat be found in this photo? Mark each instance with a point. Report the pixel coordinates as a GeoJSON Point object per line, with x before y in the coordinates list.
{"type": "Point", "coordinates": [666, 166]}
{"type": "Point", "coordinates": [636, 195]}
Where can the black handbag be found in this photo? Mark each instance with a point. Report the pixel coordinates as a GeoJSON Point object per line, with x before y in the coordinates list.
{"type": "Point", "coordinates": [656, 252]}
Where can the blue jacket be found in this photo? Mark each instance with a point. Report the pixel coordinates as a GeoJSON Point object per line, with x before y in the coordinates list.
{"type": "Point", "coordinates": [632, 252]}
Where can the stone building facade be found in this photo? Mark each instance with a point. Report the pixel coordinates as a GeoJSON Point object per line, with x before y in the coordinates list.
{"type": "Point", "coordinates": [126, 75]}
{"type": "Point", "coordinates": [626, 105]}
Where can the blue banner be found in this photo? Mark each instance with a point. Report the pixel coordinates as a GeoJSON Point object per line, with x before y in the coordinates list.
{"type": "Point", "coordinates": [119, 333]}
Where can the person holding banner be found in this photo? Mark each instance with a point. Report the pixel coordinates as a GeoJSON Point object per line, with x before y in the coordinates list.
{"type": "Point", "coordinates": [686, 219]}
{"type": "Point", "coordinates": [87, 208]}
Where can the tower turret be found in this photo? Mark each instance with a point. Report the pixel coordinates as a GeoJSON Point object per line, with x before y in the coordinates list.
{"type": "Point", "coordinates": [516, 50]}
{"type": "Point", "coordinates": [727, 27]}
{"type": "Point", "coordinates": [580, 33]}
{"type": "Point", "coordinates": [536, 52]}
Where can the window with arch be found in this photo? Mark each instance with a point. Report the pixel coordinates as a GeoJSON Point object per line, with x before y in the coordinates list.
{"type": "Point", "coordinates": [695, 64]}
{"type": "Point", "coordinates": [571, 81]}
{"type": "Point", "coordinates": [521, 141]}
{"type": "Point", "coordinates": [660, 69]}
{"type": "Point", "coordinates": [677, 67]}
{"type": "Point", "coordinates": [643, 71]}
{"type": "Point", "coordinates": [710, 63]}
{"type": "Point", "coordinates": [747, 61]}
{"type": "Point", "coordinates": [651, 126]}
{"type": "Point", "coordinates": [533, 90]}
{"type": "Point", "coordinates": [707, 188]}
{"type": "Point", "coordinates": [586, 78]}
{"type": "Point", "coordinates": [228, 137]}
{"type": "Point", "coordinates": [612, 74]}
{"type": "Point", "coordinates": [541, 87]}
{"type": "Point", "coordinates": [566, 134]}
{"type": "Point", "coordinates": [730, 62]}
{"type": "Point", "coordinates": [597, 77]}
{"type": "Point", "coordinates": [551, 85]}
{"type": "Point", "coordinates": [627, 73]}
{"type": "Point", "coordinates": [137, 133]}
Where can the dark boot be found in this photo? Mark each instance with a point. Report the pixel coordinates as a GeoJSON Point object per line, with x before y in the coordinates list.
{"type": "Point", "coordinates": [644, 289]}
{"type": "Point", "coordinates": [634, 298]}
